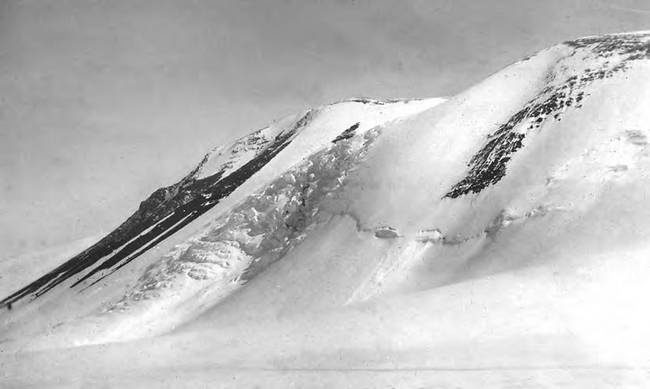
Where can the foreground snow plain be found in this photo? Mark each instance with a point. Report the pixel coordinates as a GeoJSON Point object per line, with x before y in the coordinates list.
{"type": "Point", "coordinates": [497, 238]}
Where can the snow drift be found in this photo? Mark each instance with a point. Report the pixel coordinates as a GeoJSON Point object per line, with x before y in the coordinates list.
{"type": "Point", "coordinates": [477, 240]}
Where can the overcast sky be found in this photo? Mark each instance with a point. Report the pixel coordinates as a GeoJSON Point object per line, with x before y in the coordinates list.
{"type": "Point", "coordinates": [102, 102]}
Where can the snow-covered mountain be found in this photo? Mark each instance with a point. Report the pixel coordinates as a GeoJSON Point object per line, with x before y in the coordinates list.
{"type": "Point", "coordinates": [261, 178]}
{"type": "Point", "coordinates": [504, 229]}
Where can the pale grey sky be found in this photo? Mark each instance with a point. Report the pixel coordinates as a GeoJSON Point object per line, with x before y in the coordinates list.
{"type": "Point", "coordinates": [102, 102]}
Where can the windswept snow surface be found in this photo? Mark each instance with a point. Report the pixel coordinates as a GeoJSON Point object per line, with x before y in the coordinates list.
{"type": "Point", "coordinates": [495, 239]}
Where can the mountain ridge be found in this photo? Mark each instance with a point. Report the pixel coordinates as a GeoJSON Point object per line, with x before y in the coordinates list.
{"type": "Point", "coordinates": [533, 178]}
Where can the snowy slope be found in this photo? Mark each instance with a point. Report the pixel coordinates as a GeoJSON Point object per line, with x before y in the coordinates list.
{"type": "Point", "coordinates": [496, 239]}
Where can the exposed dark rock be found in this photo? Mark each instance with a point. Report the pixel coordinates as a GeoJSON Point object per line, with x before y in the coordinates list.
{"type": "Point", "coordinates": [347, 134]}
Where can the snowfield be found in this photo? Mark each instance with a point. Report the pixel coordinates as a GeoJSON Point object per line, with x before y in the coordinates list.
{"type": "Point", "coordinates": [497, 238]}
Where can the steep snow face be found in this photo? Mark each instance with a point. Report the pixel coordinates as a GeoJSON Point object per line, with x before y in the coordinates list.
{"type": "Point", "coordinates": [510, 220]}
{"type": "Point", "coordinates": [240, 244]}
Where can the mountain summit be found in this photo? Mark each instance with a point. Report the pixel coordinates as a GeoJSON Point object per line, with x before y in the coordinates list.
{"type": "Point", "coordinates": [510, 220]}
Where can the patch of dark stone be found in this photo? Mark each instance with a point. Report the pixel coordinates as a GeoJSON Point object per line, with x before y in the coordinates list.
{"type": "Point", "coordinates": [347, 134]}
